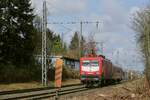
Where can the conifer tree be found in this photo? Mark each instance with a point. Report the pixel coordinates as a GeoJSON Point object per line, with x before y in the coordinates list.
{"type": "Point", "coordinates": [74, 45]}
{"type": "Point", "coordinates": [74, 42]}
{"type": "Point", "coordinates": [57, 47]}
{"type": "Point", "coordinates": [16, 31]}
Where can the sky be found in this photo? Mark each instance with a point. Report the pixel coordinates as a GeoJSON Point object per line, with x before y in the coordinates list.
{"type": "Point", "coordinates": [115, 17]}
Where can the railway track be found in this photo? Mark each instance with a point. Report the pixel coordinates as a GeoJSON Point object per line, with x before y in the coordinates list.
{"type": "Point", "coordinates": [41, 93]}
{"type": "Point", "coordinates": [45, 92]}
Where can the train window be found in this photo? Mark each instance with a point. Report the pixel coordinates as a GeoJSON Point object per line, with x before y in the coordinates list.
{"type": "Point", "coordinates": [94, 62]}
{"type": "Point", "coordinates": [86, 63]}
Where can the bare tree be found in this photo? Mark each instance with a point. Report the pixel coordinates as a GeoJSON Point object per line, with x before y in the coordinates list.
{"type": "Point", "coordinates": [141, 24]}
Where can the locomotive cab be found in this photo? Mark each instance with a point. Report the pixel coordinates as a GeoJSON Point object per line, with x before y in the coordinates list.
{"type": "Point", "coordinates": [90, 69]}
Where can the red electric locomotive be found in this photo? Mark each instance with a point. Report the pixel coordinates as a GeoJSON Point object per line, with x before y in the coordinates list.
{"type": "Point", "coordinates": [98, 70]}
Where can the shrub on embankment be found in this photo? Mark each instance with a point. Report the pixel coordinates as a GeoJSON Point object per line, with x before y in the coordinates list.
{"type": "Point", "coordinates": [141, 24]}
{"type": "Point", "coordinates": [67, 73]}
{"type": "Point", "coordinates": [13, 74]}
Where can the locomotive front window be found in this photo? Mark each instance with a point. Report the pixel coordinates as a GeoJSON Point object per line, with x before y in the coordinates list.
{"type": "Point", "coordinates": [94, 63]}
{"type": "Point", "coordinates": [86, 63]}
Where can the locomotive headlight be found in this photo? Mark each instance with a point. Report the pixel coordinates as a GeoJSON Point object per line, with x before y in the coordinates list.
{"type": "Point", "coordinates": [97, 72]}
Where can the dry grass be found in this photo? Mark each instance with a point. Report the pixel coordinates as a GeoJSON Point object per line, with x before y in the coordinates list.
{"type": "Point", "coordinates": [16, 86]}
{"type": "Point", "coordinates": [133, 90]}
{"type": "Point", "coordinates": [71, 81]}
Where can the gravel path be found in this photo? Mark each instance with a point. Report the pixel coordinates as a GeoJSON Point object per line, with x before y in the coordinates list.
{"type": "Point", "coordinates": [133, 90]}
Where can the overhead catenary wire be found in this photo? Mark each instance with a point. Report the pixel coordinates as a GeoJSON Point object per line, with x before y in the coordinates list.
{"type": "Point", "coordinates": [81, 28]}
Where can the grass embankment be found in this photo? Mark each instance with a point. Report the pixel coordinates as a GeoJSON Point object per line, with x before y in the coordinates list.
{"type": "Point", "coordinates": [134, 90]}
{"type": "Point", "coordinates": [69, 76]}
{"type": "Point", "coordinates": [16, 86]}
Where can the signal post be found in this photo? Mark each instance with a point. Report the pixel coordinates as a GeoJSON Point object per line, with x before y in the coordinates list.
{"type": "Point", "coordinates": [58, 73]}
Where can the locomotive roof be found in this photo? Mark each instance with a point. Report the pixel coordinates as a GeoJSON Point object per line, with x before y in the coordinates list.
{"type": "Point", "coordinates": [104, 58]}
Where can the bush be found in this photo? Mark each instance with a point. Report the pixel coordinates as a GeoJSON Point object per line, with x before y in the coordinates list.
{"type": "Point", "coordinates": [10, 73]}
{"type": "Point", "coordinates": [69, 73]}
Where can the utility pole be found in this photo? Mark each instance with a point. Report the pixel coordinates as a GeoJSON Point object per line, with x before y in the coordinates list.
{"type": "Point", "coordinates": [101, 44]}
{"type": "Point", "coordinates": [80, 38]}
{"type": "Point", "coordinates": [62, 37]}
{"type": "Point", "coordinates": [97, 25]}
{"type": "Point", "coordinates": [44, 48]}
{"type": "Point", "coordinates": [117, 60]}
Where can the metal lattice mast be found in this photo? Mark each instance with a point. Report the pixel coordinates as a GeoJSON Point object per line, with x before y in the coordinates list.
{"type": "Point", "coordinates": [80, 39]}
{"type": "Point", "coordinates": [44, 55]}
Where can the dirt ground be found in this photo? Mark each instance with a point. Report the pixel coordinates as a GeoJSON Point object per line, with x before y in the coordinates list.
{"type": "Point", "coordinates": [133, 90]}
{"type": "Point", "coordinates": [16, 86]}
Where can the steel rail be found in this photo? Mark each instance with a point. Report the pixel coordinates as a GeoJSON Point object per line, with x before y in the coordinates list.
{"type": "Point", "coordinates": [32, 89]}
{"type": "Point", "coordinates": [58, 93]}
{"type": "Point", "coordinates": [29, 93]}
{"type": "Point", "coordinates": [46, 92]}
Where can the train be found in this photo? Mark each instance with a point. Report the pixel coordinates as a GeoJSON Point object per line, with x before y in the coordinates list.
{"type": "Point", "coordinates": [99, 70]}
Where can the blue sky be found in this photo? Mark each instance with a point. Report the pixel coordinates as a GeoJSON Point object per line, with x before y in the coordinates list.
{"type": "Point", "coordinates": [115, 28]}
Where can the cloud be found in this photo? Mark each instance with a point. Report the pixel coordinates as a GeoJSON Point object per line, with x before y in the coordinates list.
{"type": "Point", "coordinates": [57, 7]}
{"type": "Point", "coordinates": [114, 9]}
{"type": "Point", "coordinates": [73, 5]}
{"type": "Point", "coordinates": [134, 9]}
